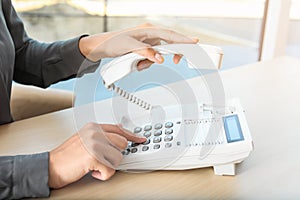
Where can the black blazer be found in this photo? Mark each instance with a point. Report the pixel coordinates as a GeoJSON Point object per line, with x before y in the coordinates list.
{"type": "Point", "coordinates": [28, 61]}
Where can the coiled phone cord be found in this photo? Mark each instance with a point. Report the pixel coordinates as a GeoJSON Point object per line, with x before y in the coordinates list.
{"type": "Point", "coordinates": [130, 97]}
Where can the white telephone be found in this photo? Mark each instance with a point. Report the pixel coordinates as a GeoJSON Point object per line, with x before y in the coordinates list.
{"type": "Point", "coordinates": [217, 137]}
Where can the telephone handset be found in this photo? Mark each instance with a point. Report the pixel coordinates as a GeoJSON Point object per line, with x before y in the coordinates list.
{"type": "Point", "coordinates": [218, 139]}
{"type": "Point", "coordinates": [195, 53]}
{"type": "Point", "coordinates": [206, 56]}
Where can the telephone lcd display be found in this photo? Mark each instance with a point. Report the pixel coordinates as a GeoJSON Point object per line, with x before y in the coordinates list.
{"type": "Point", "coordinates": [233, 129]}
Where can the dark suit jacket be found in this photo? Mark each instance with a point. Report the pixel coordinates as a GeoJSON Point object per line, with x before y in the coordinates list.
{"type": "Point", "coordinates": [28, 61]}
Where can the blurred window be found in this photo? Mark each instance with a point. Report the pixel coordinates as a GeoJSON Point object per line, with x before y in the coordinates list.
{"type": "Point", "coordinates": [293, 43]}
{"type": "Point", "coordinates": [234, 25]}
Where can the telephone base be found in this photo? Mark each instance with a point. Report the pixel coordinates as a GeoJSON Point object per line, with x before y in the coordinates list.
{"type": "Point", "coordinates": [227, 169]}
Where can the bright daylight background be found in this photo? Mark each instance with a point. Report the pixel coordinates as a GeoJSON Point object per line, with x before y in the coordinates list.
{"type": "Point", "coordinates": [234, 25]}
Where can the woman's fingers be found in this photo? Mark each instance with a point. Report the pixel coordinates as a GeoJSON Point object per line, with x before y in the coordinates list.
{"type": "Point", "coordinates": [150, 54]}
{"type": "Point", "coordinates": [177, 58]}
{"type": "Point", "coordinates": [123, 132]}
{"type": "Point", "coordinates": [117, 140]}
{"type": "Point", "coordinates": [144, 64]}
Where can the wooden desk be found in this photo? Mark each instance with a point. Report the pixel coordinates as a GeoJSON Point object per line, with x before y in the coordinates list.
{"type": "Point", "coordinates": [270, 94]}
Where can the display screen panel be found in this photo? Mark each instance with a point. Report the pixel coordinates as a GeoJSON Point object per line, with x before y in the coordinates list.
{"type": "Point", "coordinates": [233, 128]}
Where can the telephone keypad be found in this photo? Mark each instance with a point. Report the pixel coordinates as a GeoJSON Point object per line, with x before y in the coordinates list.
{"type": "Point", "coordinates": [163, 136]}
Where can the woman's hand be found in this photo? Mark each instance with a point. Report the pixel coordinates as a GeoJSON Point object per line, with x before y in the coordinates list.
{"type": "Point", "coordinates": [96, 148]}
{"type": "Point", "coordinates": [139, 39]}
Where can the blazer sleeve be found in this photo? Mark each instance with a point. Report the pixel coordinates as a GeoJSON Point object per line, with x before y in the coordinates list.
{"type": "Point", "coordinates": [42, 64]}
{"type": "Point", "coordinates": [39, 64]}
{"type": "Point", "coordinates": [24, 176]}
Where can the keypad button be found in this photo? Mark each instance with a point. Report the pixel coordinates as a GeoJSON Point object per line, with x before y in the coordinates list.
{"type": "Point", "coordinates": [168, 145]}
{"type": "Point", "coordinates": [147, 142]}
{"type": "Point", "coordinates": [126, 152]}
{"type": "Point", "coordinates": [168, 131]}
{"type": "Point", "coordinates": [147, 134]}
{"type": "Point", "coordinates": [147, 128]}
{"type": "Point", "coordinates": [134, 150]}
{"type": "Point", "coordinates": [137, 129]}
{"type": "Point", "coordinates": [145, 148]}
{"type": "Point", "coordinates": [168, 138]}
{"type": "Point", "coordinates": [134, 144]}
{"type": "Point", "coordinates": [157, 133]}
{"type": "Point", "coordinates": [156, 139]}
{"type": "Point", "coordinates": [158, 126]}
{"type": "Point", "coordinates": [169, 125]}
{"type": "Point", "coordinates": [157, 146]}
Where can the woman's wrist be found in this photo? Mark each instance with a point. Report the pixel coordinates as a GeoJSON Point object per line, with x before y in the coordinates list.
{"type": "Point", "coordinates": [90, 47]}
{"type": "Point", "coordinates": [84, 46]}
{"type": "Point", "coordinates": [68, 162]}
